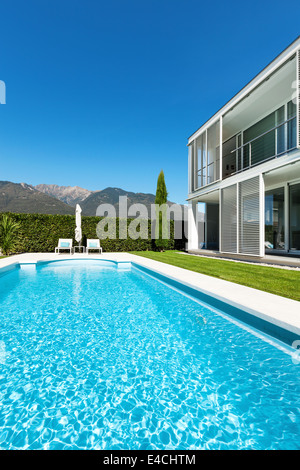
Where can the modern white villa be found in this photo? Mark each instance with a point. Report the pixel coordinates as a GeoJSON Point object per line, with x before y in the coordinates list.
{"type": "Point", "coordinates": [244, 164]}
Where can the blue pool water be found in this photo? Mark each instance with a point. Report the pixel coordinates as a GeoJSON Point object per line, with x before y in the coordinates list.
{"type": "Point", "coordinates": [102, 359]}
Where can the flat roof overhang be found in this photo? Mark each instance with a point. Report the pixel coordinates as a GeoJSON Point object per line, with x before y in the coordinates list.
{"type": "Point", "coordinates": [210, 197]}
{"type": "Point", "coordinates": [282, 175]}
{"type": "Point", "coordinates": [265, 74]}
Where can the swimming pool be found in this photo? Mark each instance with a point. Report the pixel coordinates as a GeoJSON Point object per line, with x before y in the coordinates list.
{"type": "Point", "coordinates": [95, 357]}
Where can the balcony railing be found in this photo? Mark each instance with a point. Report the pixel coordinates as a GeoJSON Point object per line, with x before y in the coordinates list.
{"type": "Point", "coordinates": [268, 145]}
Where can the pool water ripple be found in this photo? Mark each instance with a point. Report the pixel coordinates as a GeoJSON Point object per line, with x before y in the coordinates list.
{"type": "Point", "coordinates": [116, 360]}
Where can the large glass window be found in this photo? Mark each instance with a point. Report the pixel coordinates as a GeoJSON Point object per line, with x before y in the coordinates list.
{"type": "Point", "coordinates": [295, 217]}
{"type": "Point", "coordinates": [260, 148]}
{"type": "Point", "coordinates": [274, 219]}
{"type": "Point", "coordinates": [291, 114]}
{"type": "Point", "coordinates": [208, 156]}
{"type": "Point", "coordinates": [213, 152]}
{"type": "Point", "coordinates": [229, 157]}
{"type": "Point", "coordinates": [201, 160]}
{"type": "Point", "coordinates": [191, 168]}
{"type": "Point", "coordinates": [280, 131]}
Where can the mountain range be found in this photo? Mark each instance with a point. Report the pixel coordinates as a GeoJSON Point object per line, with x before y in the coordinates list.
{"type": "Point", "coordinates": [21, 197]}
{"type": "Point", "coordinates": [54, 199]}
{"type": "Point", "coordinates": [69, 194]}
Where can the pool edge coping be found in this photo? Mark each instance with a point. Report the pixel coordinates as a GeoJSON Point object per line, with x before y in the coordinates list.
{"type": "Point", "coordinates": [262, 305]}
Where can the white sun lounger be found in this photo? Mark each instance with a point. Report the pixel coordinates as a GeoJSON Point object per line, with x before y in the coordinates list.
{"type": "Point", "coordinates": [64, 244]}
{"type": "Point", "coordinates": [93, 244]}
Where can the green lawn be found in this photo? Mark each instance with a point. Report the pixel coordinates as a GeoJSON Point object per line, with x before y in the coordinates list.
{"type": "Point", "coordinates": [277, 281]}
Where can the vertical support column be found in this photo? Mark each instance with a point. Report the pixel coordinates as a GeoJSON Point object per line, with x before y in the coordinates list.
{"type": "Point", "coordinates": [196, 164]}
{"type": "Point", "coordinates": [238, 220]}
{"type": "Point", "coordinates": [206, 158]}
{"type": "Point", "coordinates": [286, 218]}
{"type": "Point", "coordinates": [297, 97]}
{"type": "Point", "coordinates": [221, 147]}
{"type": "Point", "coordinates": [285, 129]}
{"type": "Point", "coordinates": [193, 236]}
{"type": "Point", "coordinates": [261, 216]}
{"type": "Point", "coordinates": [190, 168]}
{"type": "Point", "coordinates": [220, 220]}
{"type": "Point", "coordinates": [205, 226]}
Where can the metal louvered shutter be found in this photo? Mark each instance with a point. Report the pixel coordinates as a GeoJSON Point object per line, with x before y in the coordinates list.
{"type": "Point", "coordinates": [229, 219]}
{"type": "Point", "coordinates": [249, 216]}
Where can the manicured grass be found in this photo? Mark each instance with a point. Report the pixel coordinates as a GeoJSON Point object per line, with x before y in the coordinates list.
{"type": "Point", "coordinates": [284, 282]}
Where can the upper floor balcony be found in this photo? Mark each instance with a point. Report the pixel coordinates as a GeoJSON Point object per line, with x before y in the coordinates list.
{"type": "Point", "coordinates": [260, 126]}
{"type": "Point", "coordinates": [257, 148]}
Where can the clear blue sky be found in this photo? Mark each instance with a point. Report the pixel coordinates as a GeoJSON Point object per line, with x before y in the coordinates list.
{"type": "Point", "coordinates": [107, 93]}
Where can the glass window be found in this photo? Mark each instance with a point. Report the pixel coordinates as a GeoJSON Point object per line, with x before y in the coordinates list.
{"type": "Point", "coordinates": [274, 219]}
{"type": "Point", "coordinates": [229, 157]}
{"type": "Point", "coordinates": [201, 160]}
{"type": "Point", "coordinates": [262, 147]}
{"type": "Point", "coordinates": [213, 152]}
{"type": "Point", "coordinates": [191, 168]}
{"type": "Point", "coordinates": [295, 217]}
{"type": "Point", "coordinates": [291, 114]}
{"type": "Point", "coordinates": [280, 131]}
{"type": "Point", "coordinates": [239, 152]}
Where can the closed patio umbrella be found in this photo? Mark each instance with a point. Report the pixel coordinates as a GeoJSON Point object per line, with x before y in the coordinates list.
{"type": "Point", "coordinates": [78, 231]}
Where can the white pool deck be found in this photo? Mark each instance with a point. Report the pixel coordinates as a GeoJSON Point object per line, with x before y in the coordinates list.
{"type": "Point", "coordinates": [280, 311]}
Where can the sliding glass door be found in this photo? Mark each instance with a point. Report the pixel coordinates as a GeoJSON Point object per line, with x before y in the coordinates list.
{"type": "Point", "coordinates": [294, 217]}
{"type": "Point", "coordinates": [274, 220]}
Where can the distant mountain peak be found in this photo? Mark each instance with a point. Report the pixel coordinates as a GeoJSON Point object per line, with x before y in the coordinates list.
{"type": "Point", "coordinates": [71, 195]}
{"type": "Point", "coordinates": [27, 186]}
{"type": "Point", "coordinates": [23, 198]}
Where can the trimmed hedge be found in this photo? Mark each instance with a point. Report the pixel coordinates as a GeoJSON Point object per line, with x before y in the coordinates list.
{"type": "Point", "coordinates": [40, 233]}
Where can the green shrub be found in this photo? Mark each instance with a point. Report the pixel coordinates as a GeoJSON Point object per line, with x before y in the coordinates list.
{"type": "Point", "coordinates": [40, 233]}
{"type": "Point", "coordinates": [8, 234]}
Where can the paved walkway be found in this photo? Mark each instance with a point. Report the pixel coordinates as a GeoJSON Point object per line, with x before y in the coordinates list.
{"type": "Point", "coordinates": [274, 260]}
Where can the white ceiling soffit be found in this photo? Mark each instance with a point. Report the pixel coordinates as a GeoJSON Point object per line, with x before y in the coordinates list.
{"type": "Point", "coordinates": [261, 101]}
{"type": "Point", "coordinates": [282, 175]}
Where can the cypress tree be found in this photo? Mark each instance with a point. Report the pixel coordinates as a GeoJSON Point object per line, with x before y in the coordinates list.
{"type": "Point", "coordinates": [161, 216]}
{"type": "Point", "coordinates": [161, 190]}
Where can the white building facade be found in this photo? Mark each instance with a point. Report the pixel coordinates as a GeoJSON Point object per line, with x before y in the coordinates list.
{"type": "Point", "coordinates": [244, 165]}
